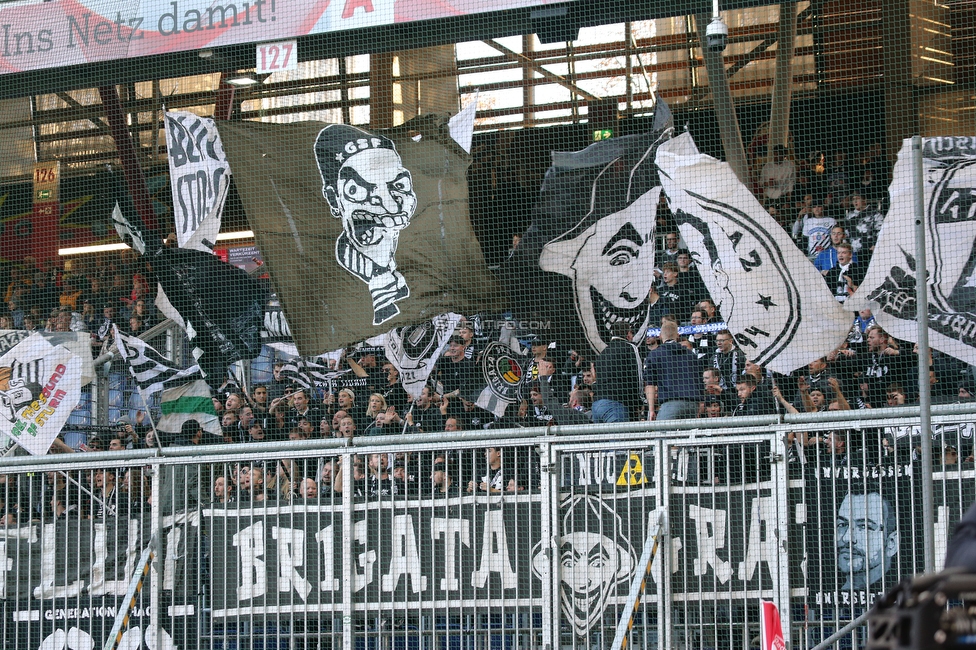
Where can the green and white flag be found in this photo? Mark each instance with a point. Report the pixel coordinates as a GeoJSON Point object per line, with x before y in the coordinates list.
{"type": "Point", "coordinates": [188, 402]}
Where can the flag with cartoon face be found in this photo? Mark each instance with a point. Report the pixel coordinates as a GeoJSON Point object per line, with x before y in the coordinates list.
{"type": "Point", "coordinates": [363, 231]}
{"type": "Point", "coordinates": [888, 289]}
{"type": "Point", "coordinates": [587, 260]}
{"type": "Point", "coordinates": [774, 301]}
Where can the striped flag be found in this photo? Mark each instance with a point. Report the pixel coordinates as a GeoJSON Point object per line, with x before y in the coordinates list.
{"type": "Point", "coordinates": [190, 401]}
{"type": "Point", "coordinates": [152, 371]}
{"type": "Point", "coordinates": [309, 373]}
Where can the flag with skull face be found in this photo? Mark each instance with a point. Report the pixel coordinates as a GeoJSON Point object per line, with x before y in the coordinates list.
{"type": "Point", "coordinates": [587, 260]}
{"type": "Point", "coordinates": [363, 231]}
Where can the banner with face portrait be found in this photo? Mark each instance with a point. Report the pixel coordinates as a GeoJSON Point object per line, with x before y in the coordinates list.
{"type": "Point", "coordinates": [587, 260]}
{"type": "Point", "coordinates": [363, 230]}
{"type": "Point", "coordinates": [888, 289]}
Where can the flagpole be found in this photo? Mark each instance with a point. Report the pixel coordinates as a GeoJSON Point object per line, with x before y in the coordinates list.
{"type": "Point", "coordinates": [924, 389]}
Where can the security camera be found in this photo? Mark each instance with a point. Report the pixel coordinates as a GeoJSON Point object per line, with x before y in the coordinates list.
{"type": "Point", "coordinates": [716, 35]}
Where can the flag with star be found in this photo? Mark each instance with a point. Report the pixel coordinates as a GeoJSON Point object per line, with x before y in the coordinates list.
{"type": "Point", "coordinates": [888, 289]}
{"type": "Point", "coordinates": [775, 302]}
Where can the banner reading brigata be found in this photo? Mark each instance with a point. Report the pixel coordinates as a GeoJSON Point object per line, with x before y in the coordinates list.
{"type": "Point", "coordinates": [69, 32]}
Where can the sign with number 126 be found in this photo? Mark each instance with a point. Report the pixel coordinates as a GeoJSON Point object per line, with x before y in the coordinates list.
{"type": "Point", "coordinates": [275, 57]}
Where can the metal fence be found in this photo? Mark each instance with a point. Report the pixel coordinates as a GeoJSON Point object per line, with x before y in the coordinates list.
{"type": "Point", "coordinates": [443, 543]}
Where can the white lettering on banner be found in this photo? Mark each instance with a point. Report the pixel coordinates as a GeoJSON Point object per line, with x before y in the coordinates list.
{"type": "Point", "coordinates": [250, 546]}
{"type": "Point", "coordinates": [291, 555]}
{"type": "Point", "coordinates": [406, 557]}
{"type": "Point", "coordinates": [173, 538]}
{"type": "Point", "coordinates": [761, 520]}
{"type": "Point", "coordinates": [99, 585]}
{"type": "Point", "coordinates": [451, 530]}
{"type": "Point", "coordinates": [494, 553]}
{"type": "Point", "coordinates": [50, 567]}
{"type": "Point", "coordinates": [596, 467]}
{"type": "Point", "coordinates": [324, 537]}
{"type": "Point", "coordinates": [366, 560]}
{"type": "Point", "coordinates": [710, 536]}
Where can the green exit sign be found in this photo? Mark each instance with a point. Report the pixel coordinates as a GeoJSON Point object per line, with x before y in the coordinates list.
{"type": "Point", "coordinates": [602, 134]}
{"type": "Point", "coordinates": [43, 195]}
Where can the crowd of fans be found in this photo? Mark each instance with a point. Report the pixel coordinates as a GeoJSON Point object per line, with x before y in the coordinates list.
{"type": "Point", "coordinates": [833, 210]}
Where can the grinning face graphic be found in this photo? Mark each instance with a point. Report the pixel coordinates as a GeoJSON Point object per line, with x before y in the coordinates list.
{"type": "Point", "coordinates": [371, 192]}
{"type": "Point", "coordinates": [592, 565]}
{"type": "Point", "coordinates": [611, 264]}
{"type": "Point", "coordinates": [375, 196]}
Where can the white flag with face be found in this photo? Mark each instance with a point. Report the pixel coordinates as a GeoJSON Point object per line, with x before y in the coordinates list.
{"type": "Point", "coordinates": [888, 289]}
{"type": "Point", "coordinates": [199, 176]}
{"type": "Point", "coordinates": [776, 304]}
{"type": "Point", "coordinates": [40, 384]}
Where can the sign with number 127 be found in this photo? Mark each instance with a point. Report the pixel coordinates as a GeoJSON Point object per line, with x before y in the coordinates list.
{"type": "Point", "coordinates": [275, 57]}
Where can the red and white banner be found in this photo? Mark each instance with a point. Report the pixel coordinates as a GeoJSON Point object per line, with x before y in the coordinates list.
{"type": "Point", "coordinates": [770, 627]}
{"type": "Point", "coordinates": [38, 35]}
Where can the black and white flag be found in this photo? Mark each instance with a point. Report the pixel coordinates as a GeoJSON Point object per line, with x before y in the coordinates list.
{"type": "Point", "coordinates": [309, 372]}
{"type": "Point", "coordinates": [776, 304]}
{"type": "Point", "coordinates": [199, 176]}
{"type": "Point", "coordinates": [949, 172]}
{"type": "Point", "coordinates": [152, 371]}
{"type": "Point", "coordinates": [415, 349]}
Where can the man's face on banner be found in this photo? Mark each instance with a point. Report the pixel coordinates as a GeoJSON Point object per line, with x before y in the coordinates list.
{"type": "Point", "coordinates": [376, 200]}
{"type": "Point", "coordinates": [611, 265]}
{"type": "Point", "coordinates": [592, 565]}
{"type": "Point", "coordinates": [867, 539]}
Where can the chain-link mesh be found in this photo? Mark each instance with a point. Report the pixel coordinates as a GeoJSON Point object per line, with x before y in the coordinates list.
{"type": "Point", "coordinates": [292, 228]}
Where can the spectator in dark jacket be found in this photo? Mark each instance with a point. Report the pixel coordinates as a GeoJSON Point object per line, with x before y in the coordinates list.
{"type": "Point", "coordinates": [671, 370]}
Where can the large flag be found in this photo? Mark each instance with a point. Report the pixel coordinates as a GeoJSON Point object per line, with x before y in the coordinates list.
{"type": "Point", "coordinates": [415, 349]}
{"type": "Point", "coordinates": [220, 306]}
{"type": "Point", "coordinates": [199, 176]}
{"type": "Point", "coordinates": [191, 401]}
{"type": "Point", "coordinates": [774, 301]}
{"type": "Point", "coordinates": [587, 261]}
{"type": "Point", "coordinates": [362, 230]}
{"type": "Point", "coordinates": [40, 384]}
{"type": "Point", "coordinates": [152, 371]}
{"type": "Point", "coordinates": [949, 170]}
{"type": "Point", "coordinates": [500, 382]}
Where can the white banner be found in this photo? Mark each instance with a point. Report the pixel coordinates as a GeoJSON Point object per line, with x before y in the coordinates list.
{"type": "Point", "coordinates": [949, 170]}
{"type": "Point", "coordinates": [776, 304]}
{"type": "Point", "coordinates": [414, 350]}
{"type": "Point", "coordinates": [40, 384]}
{"type": "Point", "coordinates": [199, 176]}
{"type": "Point", "coordinates": [79, 343]}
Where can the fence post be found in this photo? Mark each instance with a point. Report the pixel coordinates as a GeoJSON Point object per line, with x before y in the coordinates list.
{"type": "Point", "coordinates": [550, 471]}
{"type": "Point", "coordinates": [348, 566]}
{"type": "Point", "coordinates": [924, 393]}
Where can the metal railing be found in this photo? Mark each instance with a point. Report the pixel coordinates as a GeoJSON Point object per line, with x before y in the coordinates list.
{"type": "Point", "coordinates": [367, 560]}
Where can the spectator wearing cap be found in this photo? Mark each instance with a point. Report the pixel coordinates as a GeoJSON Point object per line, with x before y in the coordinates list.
{"type": "Point", "coordinates": [671, 378]}
{"type": "Point", "coordinates": [778, 177]}
{"type": "Point", "coordinates": [619, 383]}
{"type": "Point", "coordinates": [543, 347]}
{"type": "Point", "coordinates": [811, 230]}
